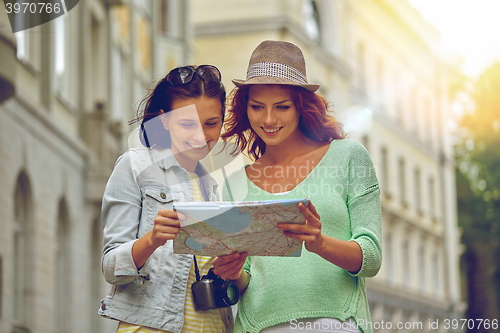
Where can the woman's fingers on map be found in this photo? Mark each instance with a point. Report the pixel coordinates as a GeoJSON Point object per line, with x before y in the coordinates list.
{"type": "Point", "coordinates": [312, 227]}
{"type": "Point", "coordinates": [311, 215]}
{"type": "Point", "coordinates": [312, 209]}
{"type": "Point", "coordinates": [167, 221]}
{"type": "Point", "coordinates": [168, 213]}
{"type": "Point", "coordinates": [170, 217]}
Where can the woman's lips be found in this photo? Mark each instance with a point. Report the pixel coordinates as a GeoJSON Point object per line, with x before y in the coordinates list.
{"type": "Point", "coordinates": [271, 131]}
{"type": "Point", "coordinates": [192, 145]}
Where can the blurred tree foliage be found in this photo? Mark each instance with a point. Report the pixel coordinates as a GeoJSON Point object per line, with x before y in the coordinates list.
{"type": "Point", "coordinates": [478, 189]}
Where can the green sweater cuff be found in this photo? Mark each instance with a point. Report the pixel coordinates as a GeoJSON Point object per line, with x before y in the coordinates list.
{"type": "Point", "coordinates": [371, 257]}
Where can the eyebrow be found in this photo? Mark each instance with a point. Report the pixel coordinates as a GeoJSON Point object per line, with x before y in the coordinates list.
{"type": "Point", "coordinates": [189, 119]}
{"type": "Point", "coordinates": [284, 101]}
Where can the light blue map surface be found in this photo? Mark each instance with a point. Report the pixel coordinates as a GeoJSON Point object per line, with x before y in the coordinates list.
{"type": "Point", "coordinates": [219, 228]}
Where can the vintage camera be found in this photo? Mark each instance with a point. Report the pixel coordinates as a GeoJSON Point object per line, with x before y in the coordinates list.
{"type": "Point", "coordinates": [214, 292]}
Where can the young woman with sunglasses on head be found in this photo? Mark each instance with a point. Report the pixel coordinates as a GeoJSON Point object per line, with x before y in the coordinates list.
{"type": "Point", "coordinates": [300, 151]}
{"type": "Point", "coordinates": [150, 285]}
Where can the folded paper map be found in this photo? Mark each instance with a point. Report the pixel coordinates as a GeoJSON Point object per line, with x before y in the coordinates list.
{"type": "Point", "coordinates": [219, 228]}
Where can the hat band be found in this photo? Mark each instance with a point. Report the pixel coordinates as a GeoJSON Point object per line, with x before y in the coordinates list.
{"type": "Point", "coordinates": [275, 70]}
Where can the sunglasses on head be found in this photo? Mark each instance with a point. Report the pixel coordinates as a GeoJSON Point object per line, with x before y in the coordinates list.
{"type": "Point", "coordinates": [183, 75]}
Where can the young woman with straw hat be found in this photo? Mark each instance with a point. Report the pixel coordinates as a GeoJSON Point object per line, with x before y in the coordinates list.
{"type": "Point", "coordinates": [300, 151]}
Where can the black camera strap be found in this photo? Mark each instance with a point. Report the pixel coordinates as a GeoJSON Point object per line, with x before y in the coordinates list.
{"type": "Point", "coordinates": [196, 270]}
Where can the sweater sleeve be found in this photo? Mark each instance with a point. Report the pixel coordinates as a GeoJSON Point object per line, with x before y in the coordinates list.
{"type": "Point", "coordinates": [363, 203]}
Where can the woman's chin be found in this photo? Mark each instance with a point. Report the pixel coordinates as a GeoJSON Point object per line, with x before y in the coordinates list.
{"type": "Point", "coordinates": [197, 153]}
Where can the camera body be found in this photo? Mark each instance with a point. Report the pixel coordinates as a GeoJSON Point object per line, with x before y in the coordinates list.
{"type": "Point", "coordinates": [214, 292]}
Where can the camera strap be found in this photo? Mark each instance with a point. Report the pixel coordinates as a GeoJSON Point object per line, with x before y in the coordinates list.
{"type": "Point", "coordinates": [196, 270]}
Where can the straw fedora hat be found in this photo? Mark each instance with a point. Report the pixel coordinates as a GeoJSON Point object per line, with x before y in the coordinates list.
{"type": "Point", "coordinates": [277, 62]}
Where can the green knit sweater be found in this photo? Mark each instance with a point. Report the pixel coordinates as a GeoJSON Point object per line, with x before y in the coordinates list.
{"type": "Point", "coordinates": [344, 189]}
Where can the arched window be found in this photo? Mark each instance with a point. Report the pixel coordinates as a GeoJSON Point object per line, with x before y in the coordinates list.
{"type": "Point", "coordinates": [62, 269]}
{"type": "Point", "coordinates": [22, 264]}
{"type": "Point", "coordinates": [312, 20]}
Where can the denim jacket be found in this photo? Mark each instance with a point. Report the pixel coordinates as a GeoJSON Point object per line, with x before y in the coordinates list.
{"type": "Point", "coordinates": [143, 182]}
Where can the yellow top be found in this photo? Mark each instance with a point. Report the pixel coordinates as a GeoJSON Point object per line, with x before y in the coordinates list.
{"type": "Point", "coordinates": [194, 321]}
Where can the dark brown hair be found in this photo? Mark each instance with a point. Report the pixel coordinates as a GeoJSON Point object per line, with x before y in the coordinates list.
{"type": "Point", "coordinates": [314, 121]}
{"type": "Point", "coordinates": [162, 97]}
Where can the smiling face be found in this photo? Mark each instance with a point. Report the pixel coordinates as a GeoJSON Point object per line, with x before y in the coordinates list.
{"type": "Point", "coordinates": [272, 114]}
{"type": "Point", "coordinates": [194, 125]}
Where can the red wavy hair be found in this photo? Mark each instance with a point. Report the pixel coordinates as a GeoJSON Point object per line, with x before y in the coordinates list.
{"type": "Point", "coordinates": [314, 121]}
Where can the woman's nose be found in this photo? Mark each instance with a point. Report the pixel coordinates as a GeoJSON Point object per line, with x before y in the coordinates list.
{"type": "Point", "coordinates": [269, 118]}
{"type": "Point", "coordinates": [199, 135]}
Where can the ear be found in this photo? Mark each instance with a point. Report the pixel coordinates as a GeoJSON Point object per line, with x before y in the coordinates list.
{"type": "Point", "coordinates": [164, 119]}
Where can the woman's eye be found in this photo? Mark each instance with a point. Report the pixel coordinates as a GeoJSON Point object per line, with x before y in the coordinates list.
{"type": "Point", "coordinates": [211, 124]}
{"type": "Point", "coordinates": [187, 125]}
{"type": "Point", "coordinates": [256, 107]}
{"type": "Point", "coordinates": [283, 107]}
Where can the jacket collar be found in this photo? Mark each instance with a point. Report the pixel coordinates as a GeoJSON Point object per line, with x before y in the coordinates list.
{"type": "Point", "coordinates": [166, 160]}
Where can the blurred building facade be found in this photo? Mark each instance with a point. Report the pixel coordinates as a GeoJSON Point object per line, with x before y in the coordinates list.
{"type": "Point", "coordinates": [379, 63]}
{"type": "Point", "coordinates": [68, 88]}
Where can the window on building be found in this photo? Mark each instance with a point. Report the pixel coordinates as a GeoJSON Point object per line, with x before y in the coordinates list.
{"type": "Point", "coordinates": [143, 41]}
{"type": "Point", "coordinates": [361, 66]}
{"type": "Point", "coordinates": [436, 274]}
{"type": "Point", "coordinates": [389, 262]}
{"type": "Point", "coordinates": [171, 18]}
{"type": "Point", "coordinates": [312, 20]}
{"type": "Point", "coordinates": [99, 67]}
{"type": "Point", "coordinates": [120, 85]}
{"type": "Point", "coordinates": [402, 182]}
{"type": "Point", "coordinates": [164, 18]}
{"type": "Point", "coordinates": [413, 107]}
{"type": "Point", "coordinates": [418, 192]}
{"type": "Point", "coordinates": [28, 41]}
{"type": "Point", "coordinates": [62, 270]}
{"type": "Point", "coordinates": [406, 264]}
{"type": "Point", "coordinates": [365, 140]}
{"type": "Point", "coordinates": [385, 172]}
{"type": "Point", "coordinates": [23, 37]}
{"type": "Point", "coordinates": [422, 270]}
{"type": "Point", "coordinates": [380, 81]}
{"type": "Point", "coordinates": [428, 122]}
{"type": "Point", "coordinates": [60, 56]}
{"type": "Point", "coordinates": [1, 285]}
{"type": "Point", "coordinates": [432, 199]}
{"type": "Point", "coordinates": [22, 252]}
{"type": "Point", "coordinates": [96, 247]}
{"type": "Point", "coordinates": [398, 99]}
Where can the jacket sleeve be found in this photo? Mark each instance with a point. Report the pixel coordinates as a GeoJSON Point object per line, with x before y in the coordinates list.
{"type": "Point", "coordinates": [120, 216]}
{"type": "Point", "coordinates": [363, 204]}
